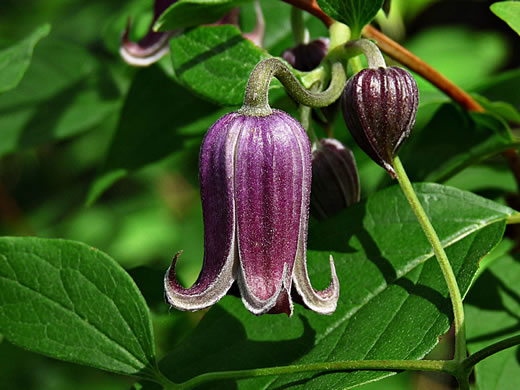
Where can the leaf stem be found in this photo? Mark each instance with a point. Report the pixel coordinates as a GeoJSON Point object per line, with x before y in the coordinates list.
{"type": "Point", "coordinates": [472, 360]}
{"type": "Point", "coordinates": [256, 100]}
{"type": "Point", "coordinates": [347, 365]}
{"type": "Point", "coordinates": [440, 254]}
{"type": "Point", "coordinates": [300, 33]}
{"type": "Point", "coordinates": [306, 118]}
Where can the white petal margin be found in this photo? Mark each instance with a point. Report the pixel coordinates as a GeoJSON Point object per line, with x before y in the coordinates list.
{"type": "Point", "coordinates": [182, 300]}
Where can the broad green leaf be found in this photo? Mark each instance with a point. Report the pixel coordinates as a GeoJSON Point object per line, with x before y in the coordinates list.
{"type": "Point", "coordinates": [394, 302]}
{"type": "Point", "coordinates": [187, 13]}
{"type": "Point", "coordinates": [64, 92]}
{"type": "Point", "coordinates": [354, 13]}
{"type": "Point", "coordinates": [15, 60]}
{"type": "Point", "coordinates": [215, 62]}
{"type": "Point", "coordinates": [158, 118]}
{"type": "Point", "coordinates": [504, 110]}
{"type": "Point", "coordinates": [72, 302]}
{"type": "Point", "coordinates": [492, 308]}
{"type": "Point", "coordinates": [437, 47]}
{"type": "Point", "coordinates": [50, 374]}
{"type": "Point", "coordinates": [509, 12]}
{"type": "Point", "coordinates": [493, 179]}
{"type": "Point", "coordinates": [501, 87]}
{"type": "Point", "coordinates": [451, 141]}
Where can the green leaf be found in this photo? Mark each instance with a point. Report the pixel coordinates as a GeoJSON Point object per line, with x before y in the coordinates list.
{"type": "Point", "coordinates": [158, 118]}
{"type": "Point", "coordinates": [492, 309]}
{"type": "Point", "coordinates": [215, 62]}
{"type": "Point", "coordinates": [451, 141]}
{"type": "Point", "coordinates": [502, 87]}
{"type": "Point", "coordinates": [504, 110]}
{"type": "Point", "coordinates": [15, 60]}
{"type": "Point", "coordinates": [72, 302]}
{"type": "Point", "coordinates": [394, 302]}
{"type": "Point", "coordinates": [188, 13]}
{"type": "Point", "coordinates": [354, 13]}
{"type": "Point", "coordinates": [437, 46]}
{"type": "Point", "coordinates": [65, 91]}
{"type": "Point", "coordinates": [509, 12]}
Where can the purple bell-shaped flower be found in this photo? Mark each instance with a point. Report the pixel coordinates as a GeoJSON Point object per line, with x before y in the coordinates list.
{"type": "Point", "coordinates": [255, 178]}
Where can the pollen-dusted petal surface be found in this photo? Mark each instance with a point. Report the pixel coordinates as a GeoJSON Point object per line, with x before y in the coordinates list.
{"type": "Point", "coordinates": [324, 301]}
{"type": "Point", "coordinates": [268, 194]}
{"type": "Point", "coordinates": [379, 107]}
{"type": "Point", "coordinates": [217, 189]}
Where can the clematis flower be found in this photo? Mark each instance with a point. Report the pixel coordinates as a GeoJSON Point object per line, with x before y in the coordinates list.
{"type": "Point", "coordinates": [255, 179]}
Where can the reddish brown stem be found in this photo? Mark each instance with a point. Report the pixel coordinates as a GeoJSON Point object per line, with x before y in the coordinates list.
{"type": "Point", "coordinates": [312, 7]}
{"type": "Point", "coordinates": [405, 57]}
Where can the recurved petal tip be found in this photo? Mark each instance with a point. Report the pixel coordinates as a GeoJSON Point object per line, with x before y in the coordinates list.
{"type": "Point", "coordinates": [279, 302]}
{"type": "Point", "coordinates": [206, 291]}
{"type": "Point", "coordinates": [324, 301]}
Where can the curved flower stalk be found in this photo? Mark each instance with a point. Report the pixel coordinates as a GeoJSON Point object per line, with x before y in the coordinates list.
{"type": "Point", "coordinates": [255, 175]}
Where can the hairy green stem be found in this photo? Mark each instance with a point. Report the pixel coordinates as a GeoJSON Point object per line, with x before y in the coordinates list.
{"type": "Point", "coordinates": [256, 101]}
{"type": "Point", "coordinates": [461, 369]}
{"type": "Point", "coordinates": [447, 271]}
{"type": "Point", "coordinates": [306, 118]}
{"type": "Point", "coordinates": [374, 57]}
{"type": "Point", "coordinates": [472, 360]}
{"type": "Point", "coordinates": [347, 365]}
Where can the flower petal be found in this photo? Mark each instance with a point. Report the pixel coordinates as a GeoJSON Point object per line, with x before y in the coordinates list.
{"type": "Point", "coordinates": [324, 301]}
{"type": "Point", "coordinates": [152, 46]}
{"type": "Point", "coordinates": [268, 196]}
{"type": "Point", "coordinates": [217, 188]}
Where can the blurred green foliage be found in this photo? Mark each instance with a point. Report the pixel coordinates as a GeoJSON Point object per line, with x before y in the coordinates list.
{"type": "Point", "coordinates": [60, 126]}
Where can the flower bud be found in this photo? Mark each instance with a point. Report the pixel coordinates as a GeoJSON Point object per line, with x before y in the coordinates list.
{"type": "Point", "coordinates": [307, 56]}
{"type": "Point", "coordinates": [379, 107]}
{"type": "Point", "coordinates": [335, 180]}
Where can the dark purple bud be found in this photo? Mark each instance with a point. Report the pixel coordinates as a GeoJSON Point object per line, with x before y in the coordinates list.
{"type": "Point", "coordinates": [307, 56]}
{"type": "Point", "coordinates": [379, 107]}
{"type": "Point", "coordinates": [255, 178]}
{"type": "Point", "coordinates": [335, 180]}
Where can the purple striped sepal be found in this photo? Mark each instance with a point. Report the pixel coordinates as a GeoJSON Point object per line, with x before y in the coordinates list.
{"type": "Point", "coordinates": [379, 107]}
{"type": "Point", "coordinates": [255, 180]}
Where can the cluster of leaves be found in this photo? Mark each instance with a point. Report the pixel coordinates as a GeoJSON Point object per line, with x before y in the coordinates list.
{"type": "Point", "coordinates": [96, 152]}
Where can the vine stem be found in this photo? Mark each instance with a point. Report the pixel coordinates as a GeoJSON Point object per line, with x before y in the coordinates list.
{"type": "Point", "coordinates": [472, 360]}
{"type": "Point", "coordinates": [256, 100]}
{"type": "Point", "coordinates": [405, 57]}
{"type": "Point", "coordinates": [300, 33]}
{"type": "Point", "coordinates": [370, 50]}
{"type": "Point", "coordinates": [446, 366]}
{"type": "Point", "coordinates": [440, 254]}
